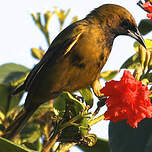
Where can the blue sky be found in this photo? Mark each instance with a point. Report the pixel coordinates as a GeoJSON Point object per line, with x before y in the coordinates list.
{"type": "Point", "coordinates": [18, 34]}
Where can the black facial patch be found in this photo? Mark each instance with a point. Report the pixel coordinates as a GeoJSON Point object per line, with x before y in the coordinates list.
{"type": "Point", "coordinates": [126, 24]}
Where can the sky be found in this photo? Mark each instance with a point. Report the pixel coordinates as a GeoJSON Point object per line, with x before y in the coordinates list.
{"type": "Point", "coordinates": [18, 33]}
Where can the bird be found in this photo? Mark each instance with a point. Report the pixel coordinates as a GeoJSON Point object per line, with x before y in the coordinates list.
{"type": "Point", "coordinates": [74, 59]}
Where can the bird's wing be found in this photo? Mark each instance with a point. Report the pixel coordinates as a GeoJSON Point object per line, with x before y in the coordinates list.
{"type": "Point", "coordinates": [61, 46]}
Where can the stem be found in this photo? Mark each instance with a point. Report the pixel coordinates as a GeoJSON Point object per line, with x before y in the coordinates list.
{"type": "Point", "coordinates": [100, 104]}
{"type": "Point", "coordinates": [96, 120]}
{"type": "Point", "coordinates": [50, 144]}
{"type": "Point", "coordinates": [69, 123]}
{"type": "Point", "coordinates": [65, 147]}
{"type": "Point", "coordinates": [46, 34]}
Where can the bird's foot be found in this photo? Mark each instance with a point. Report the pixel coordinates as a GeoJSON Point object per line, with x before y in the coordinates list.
{"type": "Point", "coordinates": [96, 86]}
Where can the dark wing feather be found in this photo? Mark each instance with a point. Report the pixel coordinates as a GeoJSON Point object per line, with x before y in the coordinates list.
{"type": "Point", "coordinates": [61, 45]}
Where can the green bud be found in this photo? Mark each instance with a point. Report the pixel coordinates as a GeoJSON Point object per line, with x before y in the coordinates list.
{"type": "Point", "coordinates": [145, 81]}
{"type": "Point", "coordinates": [138, 72]}
{"type": "Point", "coordinates": [47, 17]}
{"type": "Point", "coordinates": [142, 54]}
{"type": "Point", "coordinates": [150, 60]}
{"type": "Point", "coordinates": [37, 53]}
{"type": "Point", "coordinates": [147, 59]}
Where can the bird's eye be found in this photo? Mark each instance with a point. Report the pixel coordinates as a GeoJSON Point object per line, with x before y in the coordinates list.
{"type": "Point", "coordinates": [125, 23]}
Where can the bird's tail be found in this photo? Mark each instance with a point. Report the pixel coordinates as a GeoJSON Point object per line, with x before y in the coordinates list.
{"type": "Point", "coordinates": [19, 123]}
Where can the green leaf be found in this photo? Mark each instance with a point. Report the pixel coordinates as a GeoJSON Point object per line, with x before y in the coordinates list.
{"type": "Point", "coordinates": [100, 146]}
{"type": "Point", "coordinates": [109, 75]}
{"type": "Point", "coordinates": [11, 75]}
{"type": "Point", "coordinates": [145, 26]}
{"type": "Point", "coordinates": [124, 138]}
{"type": "Point", "coordinates": [132, 62]}
{"type": "Point", "coordinates": [87, 95]}
{"type": "Point", "coordinates": [30, 133]}
{"type": "Point", "coordinates": [74, 19]}
{"type": "Point", "coordinates": [37, 145]}
{"type": "Point", "coordinates": [66, 98]}
{"type": "Point", "coordinates": [37, 53]}
{"type": "Point", "coordinates": [47, 17]}
{"type": "Point", "coordinates": [147, 42]}
{"type": "Point", "coordinates": [12, 72]}
{"type": "Point", "coordinates": [148, 76]}
{"type": "Point", "coordinates": [8, 102]}
{"type": "Point", "coordinates": [59, 105]}
{"type": "Point", "coordinates": [42, 110]}
{"type": "Point", "coordinates": [62, 14]}
{"type": "Point", "coordinates": [8, 146]}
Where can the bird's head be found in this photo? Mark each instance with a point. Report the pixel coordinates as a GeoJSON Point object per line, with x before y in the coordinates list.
{"type": "Point", "coordinates": [118, 21]}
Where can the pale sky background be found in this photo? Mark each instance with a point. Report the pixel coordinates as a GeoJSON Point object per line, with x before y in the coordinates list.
{"type": "Point", "coordinates": [18, 33]}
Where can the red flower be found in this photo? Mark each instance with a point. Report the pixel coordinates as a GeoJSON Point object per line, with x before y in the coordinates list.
{"type": "Point", "coordinates": [127, 100]}
{"type": "Point", "coordinates": [149, 15]}
{"type": "Point", "coordinates": [148, 7]}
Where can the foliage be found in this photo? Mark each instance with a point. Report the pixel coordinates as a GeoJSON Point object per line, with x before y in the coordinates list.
{"type": "Point", "coordinates": [67, 113]}
{"type": "Point", "coordinates": [68, 118]}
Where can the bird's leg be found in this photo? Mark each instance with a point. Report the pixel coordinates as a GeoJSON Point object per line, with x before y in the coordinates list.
{"type": "Point", "coordinates": [96, 86]}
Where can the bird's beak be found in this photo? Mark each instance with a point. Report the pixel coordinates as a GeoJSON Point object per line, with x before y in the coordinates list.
{"type": "Point", "coordinates": [136, 35]}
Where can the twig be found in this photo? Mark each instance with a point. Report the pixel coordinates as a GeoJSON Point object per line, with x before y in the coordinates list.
{"type": "Point", "coordinates": [96, 120]}
{"type": "Point", "coordinates": [50, 144]}
{"type": "Point", "coordinates": [65, 147]}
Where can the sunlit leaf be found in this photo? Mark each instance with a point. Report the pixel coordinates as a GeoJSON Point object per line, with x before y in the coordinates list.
{"type": "Point", "coordinates": [47, 16]}
{"type": "Point", "coordinates": [148, 76]}
{"type": "Point", "coordinates": [12, 72]}
{"type": "Point", "coordinates": [59, 105]}
{"type": "Point", "coordinates": [109, 75]}
{"type": "Point", "coordinates": [74, 19]}
{"type": "Point", "coordinates": [31, 132]}
{"type": "Point", "coordinates": [132, 62]}
{"type": "Point", "coordinates": [2, 117]}
{"type": "Point", "coordinates": [61, 15]}
{"type": "Point", "coordinates": [37, 145]}
{"type": "Point", "coordinates": [61, 101]}
{"type": "Point", "coordinates": [87, 95]}
{"type": "Point", "coordinates": [41, 111]}
{"type": "Point", "coordinates": [147, 42]}
{"type": "Point", "coordinates": [37, 53]}
{"type": "Point", "coordinates": [8, 146]}
{"type": "Point", "coordinates": [7, 102]}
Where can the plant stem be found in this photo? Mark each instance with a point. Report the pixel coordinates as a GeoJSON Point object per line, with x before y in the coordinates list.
{"type": "Point", "coordinates": [65, 147]}
{"type": "Point", "coordinates": [96, 120]}
{"type": "Point", "coordinates": [69, 123]}
{"type": "Point", "coordinates": [50, 144]}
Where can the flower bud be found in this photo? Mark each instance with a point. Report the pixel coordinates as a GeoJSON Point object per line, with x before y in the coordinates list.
{"type": "Point", "coordinates": [147, 59]}
{"type": "Point", "coordinates": [142, 54]}
{"type": "Point", "coordinates": [145, 81]}
{"type": "Point", "coordinates": [47, 17]}
{"type": "Point", "coordinates": [138, 72]}
{"type": "Point", "coordinates": [150, 60]}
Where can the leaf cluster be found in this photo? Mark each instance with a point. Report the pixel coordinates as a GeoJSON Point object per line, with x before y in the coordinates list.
{"type": "Point", "coordinates": [66, 119]}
